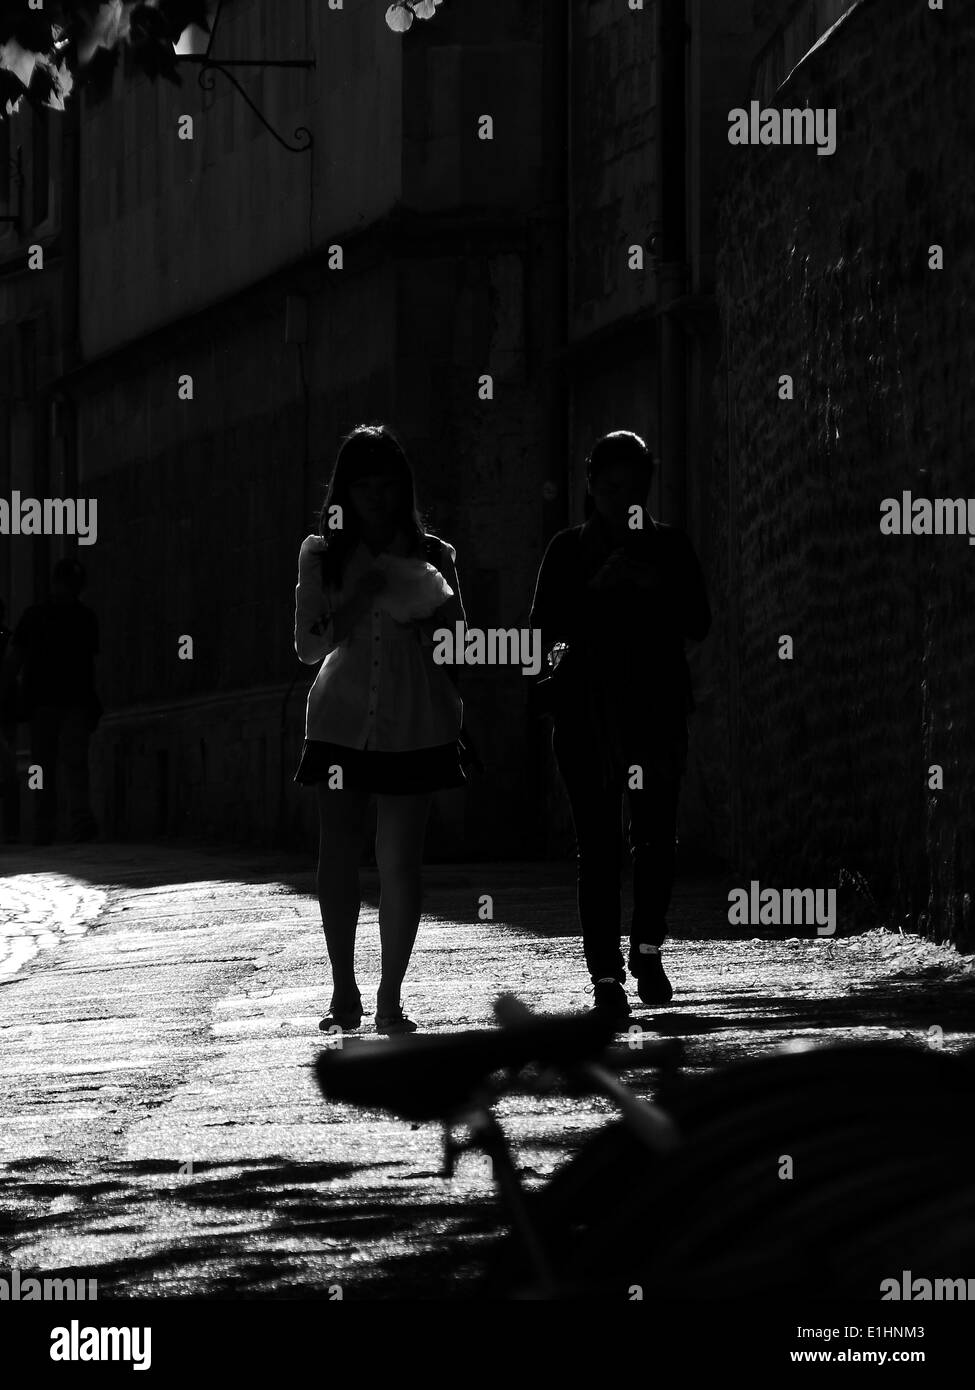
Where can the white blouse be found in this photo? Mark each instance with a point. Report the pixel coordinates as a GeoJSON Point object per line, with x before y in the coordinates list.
{"type": "Point", "coordinates": [378, 688]}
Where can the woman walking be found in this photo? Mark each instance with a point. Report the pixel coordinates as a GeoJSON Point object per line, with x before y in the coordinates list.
{"type": "Point", "coordinates": [619, 595]}
{"type": "Point", "coordinates": [381, 718]}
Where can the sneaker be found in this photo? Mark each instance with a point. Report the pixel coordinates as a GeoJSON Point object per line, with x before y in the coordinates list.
{"type": "Point", "coordinates": [652, 984]}
{"type": "Point", "coordinates": [609, 997]}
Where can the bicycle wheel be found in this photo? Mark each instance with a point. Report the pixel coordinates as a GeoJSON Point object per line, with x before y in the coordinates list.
{"type": "Point", "coordinates": [787, 1162]}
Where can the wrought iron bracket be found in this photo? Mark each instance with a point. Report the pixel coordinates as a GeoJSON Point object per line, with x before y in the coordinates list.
{"type": "Point", "coordinates": [16, 168]}
{"type": "Point", "coordinates": [209, 66]}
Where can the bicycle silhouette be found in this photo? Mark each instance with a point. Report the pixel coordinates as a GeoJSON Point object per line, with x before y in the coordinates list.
{"type": "Point", "coordinates": [811, 1171]}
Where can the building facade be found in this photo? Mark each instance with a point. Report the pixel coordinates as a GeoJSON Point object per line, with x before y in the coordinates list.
{"type": "Point", "coordinates": [38, 332]}
{"type": "Point", "coordinates": [241, 307]}
{"type": "Point", "coordinates": [238, 307]}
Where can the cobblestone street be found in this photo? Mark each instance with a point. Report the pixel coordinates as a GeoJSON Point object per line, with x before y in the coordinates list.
{"type": "Point", "coordinates": [158, 1021]}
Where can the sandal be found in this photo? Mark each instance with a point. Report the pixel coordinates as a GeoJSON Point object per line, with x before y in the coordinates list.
{"type": "Point", "coordinates": [346, 1019]}
{"type": "Point", "coordinates": [395, 1022]}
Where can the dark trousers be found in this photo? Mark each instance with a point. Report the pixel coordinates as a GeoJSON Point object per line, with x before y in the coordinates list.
{"type": "Point", "coordinates": [59, 736]}
{"type": "Point", "coordinates": [597, 814]}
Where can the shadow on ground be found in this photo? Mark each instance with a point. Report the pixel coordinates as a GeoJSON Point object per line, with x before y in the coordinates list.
{"type": "Point", "coordinates": [910, 1003]}
{"type": "Point", "coordinates": [268, 1229]}
{"type": "Point", "coordinates": [536, 897]}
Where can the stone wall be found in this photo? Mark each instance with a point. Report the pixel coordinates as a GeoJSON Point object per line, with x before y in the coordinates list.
{"type": "Point", "coordinates": [824, 275]}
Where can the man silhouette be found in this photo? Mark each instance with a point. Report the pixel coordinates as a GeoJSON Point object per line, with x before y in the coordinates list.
{"type": "Point", "coordinates": [621, 593]}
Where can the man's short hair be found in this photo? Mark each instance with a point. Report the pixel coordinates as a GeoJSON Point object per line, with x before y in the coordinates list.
{"type": "Point", "coordinates": [621, 446]}
{"type": "Point", "coordinates": [70, 573]}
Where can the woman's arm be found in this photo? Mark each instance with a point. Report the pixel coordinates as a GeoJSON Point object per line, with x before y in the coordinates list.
{"type": "Point", "coordinates": [451, 611]}
{"type": "Point", "coordinates": [314, 631]}
{"type": "Point", "coordinates": [321, 623]}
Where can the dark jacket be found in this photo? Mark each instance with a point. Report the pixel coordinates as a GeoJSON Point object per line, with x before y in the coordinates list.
{"type": "Point", "coordinates": [627, 643]}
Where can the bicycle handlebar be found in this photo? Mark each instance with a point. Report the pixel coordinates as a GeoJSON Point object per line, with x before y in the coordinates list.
{"type": "Point", "coordinates": [426, 1078]}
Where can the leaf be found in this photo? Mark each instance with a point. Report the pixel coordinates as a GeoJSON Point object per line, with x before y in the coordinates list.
{"type": "Point", "coordinates": [11, 91]}
{"type": "Point", "coordinates": [146, 25]}
{"type": "Point", "coordinates": [18, 60]}
{"type": "Point", "coordinates": [399, 17]}
{"type": "Point", "coordinates": [41, 86]}
{"type": "Point", "coordinates": [109, 27]}
{"type": "Point", "coordinates": [152, 44]}
{"type": "Point", "coordinates": [62, 83]}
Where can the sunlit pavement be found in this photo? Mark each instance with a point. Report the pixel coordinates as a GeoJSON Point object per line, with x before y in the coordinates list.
{"type": "Point", "coordinates": [162, 1131]}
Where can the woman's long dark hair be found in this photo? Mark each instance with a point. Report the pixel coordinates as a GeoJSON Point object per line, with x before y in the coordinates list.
{"type": "Point", "coordinates": [367, 448]}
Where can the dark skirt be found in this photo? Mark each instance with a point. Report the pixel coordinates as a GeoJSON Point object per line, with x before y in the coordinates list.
{"type": "Point", "coordinates": [365, 770]}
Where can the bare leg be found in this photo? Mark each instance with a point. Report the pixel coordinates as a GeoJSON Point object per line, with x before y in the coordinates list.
{"type": "Point", "coordinates": [402, 823]}
{"type": "Point", "coordinates": [342, 829]}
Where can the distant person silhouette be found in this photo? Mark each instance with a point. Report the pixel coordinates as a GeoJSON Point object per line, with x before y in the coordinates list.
{"type": "Point", "coordinates": [9, 789]}
{"type": "Point", "coordinates": [54, 645]}
{"type": "Point", "coordinates": [381, 719]}
{"type": "Point", "coordinates": [618, 603]}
